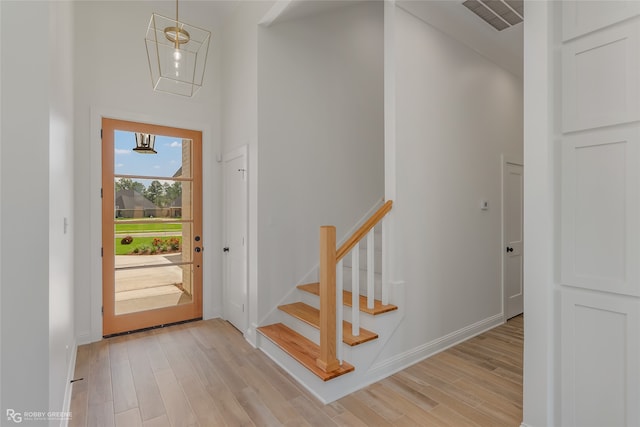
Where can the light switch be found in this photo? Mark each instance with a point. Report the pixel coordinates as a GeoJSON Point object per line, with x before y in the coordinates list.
{"type": "Point", "coordinates": [484, 205]}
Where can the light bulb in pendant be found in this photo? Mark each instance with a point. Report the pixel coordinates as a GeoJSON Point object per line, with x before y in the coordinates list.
{"type": "Point", "coordinates": [177, 55]}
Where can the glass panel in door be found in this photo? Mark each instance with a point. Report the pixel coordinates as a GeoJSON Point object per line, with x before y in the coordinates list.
{"type": "Point", "coordinates": [151, 226]}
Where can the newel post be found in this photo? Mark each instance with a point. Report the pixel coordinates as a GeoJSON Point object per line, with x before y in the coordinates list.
{"type": "Point", "coordinates": [327, 360]}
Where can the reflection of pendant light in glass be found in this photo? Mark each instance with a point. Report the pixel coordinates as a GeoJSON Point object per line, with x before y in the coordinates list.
{"type": "Point", "coordinates": [145, 143]}
{"type": "Point", "coordinates": [177, 54]}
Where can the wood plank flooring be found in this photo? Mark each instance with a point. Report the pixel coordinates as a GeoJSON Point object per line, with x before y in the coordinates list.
{"type": "Point", "coordinates": [205, 374]}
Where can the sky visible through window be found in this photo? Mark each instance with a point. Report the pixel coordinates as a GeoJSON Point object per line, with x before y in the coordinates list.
{"type": "Point", "coordinates": [164, 164]}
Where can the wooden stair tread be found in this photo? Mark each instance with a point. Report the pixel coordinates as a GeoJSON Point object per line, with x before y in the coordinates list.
{"type": "Point", "coordinates": [311, 316]}
{"type": "Point", "coordinates": [301, 349]}
{"type": "Point", "coordinates": [378, 307]}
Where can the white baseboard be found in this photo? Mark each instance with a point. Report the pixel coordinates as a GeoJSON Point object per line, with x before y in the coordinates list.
{"type": "Point", "coordinates": [417, 354]}
{"type": "Point", "coordinates": [66, 403]}
{"type": "Point", "coordinates": [84, 339]}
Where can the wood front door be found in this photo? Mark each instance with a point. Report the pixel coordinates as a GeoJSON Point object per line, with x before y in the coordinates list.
{"type": "Point", "coordinates": [151, 225]}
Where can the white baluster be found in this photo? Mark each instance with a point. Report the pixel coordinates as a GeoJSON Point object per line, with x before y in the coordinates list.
{"type": "Point", "coordinates": [355, 290]}
{"type": "Point", "coordinates": [339, 310]}
{"type": "Point", "coordinates": [370, 269]}
{"type": "Point", "coordinates": [385, 260]}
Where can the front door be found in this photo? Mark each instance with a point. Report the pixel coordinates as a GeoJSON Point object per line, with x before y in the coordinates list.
{"type": "Point", "coordinates": [235, 250]}
{"type": "Point", "coordinates": [151, 225]}
{"type": "Point", "coordinates": [513, 239]}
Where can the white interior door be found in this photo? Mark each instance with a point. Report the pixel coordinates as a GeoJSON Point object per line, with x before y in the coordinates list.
{"type": "Point", "coordinates": [513, 241]}
{"type": "Point", "coordinates": [235, 229]}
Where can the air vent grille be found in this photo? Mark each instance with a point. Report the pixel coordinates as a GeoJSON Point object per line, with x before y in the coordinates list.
{"type": "Point", "coordinates": [500, 14]}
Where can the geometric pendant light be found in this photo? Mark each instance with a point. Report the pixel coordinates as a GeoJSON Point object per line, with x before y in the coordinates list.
{"type": "Point", "coordinates": [177, 54]}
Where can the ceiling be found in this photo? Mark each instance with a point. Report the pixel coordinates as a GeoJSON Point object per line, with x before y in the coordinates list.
{"type": "Point", "coordinates": [505, 47]}
{"type": "Point", "coordinates": [296, 9]}
{"type": "Point", "coordinates": [449, 16]}
{"type": "Point", "coordinates": [208, 14]}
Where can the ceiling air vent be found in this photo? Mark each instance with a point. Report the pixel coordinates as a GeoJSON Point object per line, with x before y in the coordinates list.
{"type": "Point", "coordinates": [500, 14]}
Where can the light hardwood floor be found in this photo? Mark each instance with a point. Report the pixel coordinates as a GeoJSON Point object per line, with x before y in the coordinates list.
{"type": "Point", "coordinates": [205, 374]}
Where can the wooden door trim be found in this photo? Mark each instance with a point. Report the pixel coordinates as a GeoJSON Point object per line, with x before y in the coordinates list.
{"type": "Point", "coordinates": [156, 317]}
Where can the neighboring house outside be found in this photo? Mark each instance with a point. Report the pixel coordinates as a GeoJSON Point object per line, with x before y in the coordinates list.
{"type": "Point", "coordinates": [175, 207]}
{"type": "Point", "coordinates": [132, 204]}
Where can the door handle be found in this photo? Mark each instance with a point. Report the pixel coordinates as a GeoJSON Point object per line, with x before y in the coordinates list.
{"type": "Point", "coordinates": [225, 249]}
{"type": "Point", "coordinates": [509, 249]}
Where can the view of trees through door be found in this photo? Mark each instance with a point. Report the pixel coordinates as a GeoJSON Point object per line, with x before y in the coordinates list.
{"type": "Point", "coordinates": [151, 221]}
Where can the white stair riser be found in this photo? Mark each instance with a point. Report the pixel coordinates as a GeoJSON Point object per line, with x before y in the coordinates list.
{"type": "Point", "coordinates": [303, 328]}
{"type": "Point", "coordinates": [313, 334]}
{"type": "Point", "coordinates": [367, 321]}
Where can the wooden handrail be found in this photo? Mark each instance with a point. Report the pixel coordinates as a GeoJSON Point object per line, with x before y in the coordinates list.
{"type": "Point", "coordinates": [363, 230]}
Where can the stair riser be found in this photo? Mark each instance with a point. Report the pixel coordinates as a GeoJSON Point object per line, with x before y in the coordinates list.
{"type": "Point", "coordinates": [367, 321]}
{"type": "Point", "coordinates": [313, 334]}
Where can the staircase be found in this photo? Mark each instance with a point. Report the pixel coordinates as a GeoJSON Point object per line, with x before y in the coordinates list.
{"type": "Point", "coordinates": [308, 333]}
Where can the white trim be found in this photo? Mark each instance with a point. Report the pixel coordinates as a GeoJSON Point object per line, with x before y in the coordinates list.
{"type": "Point", "coordinates": [71, 368]}
{"type": "Point", "coordinates": [242, 151]}
{"type": "Point", "coordinates": [95, 209]}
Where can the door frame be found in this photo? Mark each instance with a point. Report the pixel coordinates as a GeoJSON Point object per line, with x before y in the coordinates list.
{"type": "Point", "coordinates": [242, 151]}
{"type": "Point", "coordinates": [151, 317]}
{"type": "Point", "coordinates": [89, 298]}
{"type": "Point", "coordinates": [504, 162]}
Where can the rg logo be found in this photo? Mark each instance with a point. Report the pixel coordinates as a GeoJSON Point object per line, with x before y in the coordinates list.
{"type": "Point", "coordinates": [14, 416]}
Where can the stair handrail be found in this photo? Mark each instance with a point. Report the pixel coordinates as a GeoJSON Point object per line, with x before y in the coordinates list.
{"type": "Point", "coordinates": [361, 232]}
{"type": "Point", "coordinates": [330, 314]}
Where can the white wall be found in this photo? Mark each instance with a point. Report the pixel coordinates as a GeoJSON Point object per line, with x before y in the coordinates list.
{"type": "Point", "coordinates": [456, 113]}
{"type": "Point", "coordinates": [112, 79]}
{"type": "Point", "coordinates": [239, 117]}
{"type": "Point", "coordinates": [25, 198]}
{"type": "Point", "coordinates": [61, 177]}
{"type": "Point", "coordinates": [37, 308]}
{"type": "Point", "coordinates": [321, 131]}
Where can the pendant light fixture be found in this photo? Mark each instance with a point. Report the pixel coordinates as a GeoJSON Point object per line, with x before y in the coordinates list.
{"type": "Point", "coordinates": [177, 54]}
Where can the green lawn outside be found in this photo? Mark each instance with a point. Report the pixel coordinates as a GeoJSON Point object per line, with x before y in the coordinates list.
{"type": "Point", "coordinates": [121, 249]}
{"type": "Point", "coordinates": [123, 227]}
